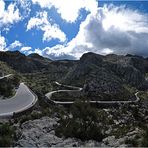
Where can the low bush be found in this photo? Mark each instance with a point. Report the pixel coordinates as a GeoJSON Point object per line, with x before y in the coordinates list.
{"type": "Point", "coordinates": [82, 123]}
{"type": "Point", "coordinates": [6, 135]}
{"type": "Point", "coordinates": [145, 139]}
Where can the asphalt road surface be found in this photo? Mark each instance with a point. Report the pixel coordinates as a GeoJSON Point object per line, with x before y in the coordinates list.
{"type": "Point", "coordinates": [23, 100]}
{"type": "Point", "coordinates": [49, 95]}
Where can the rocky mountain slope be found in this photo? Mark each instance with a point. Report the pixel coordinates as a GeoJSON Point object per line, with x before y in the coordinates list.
{"type": "Point", "coordinates": [129, 70]}
{"type": "Point", "coordinates": [107, 77]}
{"type": "Point", "coordinates": [33, 62]}
{"type": "Point", "coordinates": [102, 77]}
{"type": "Point", "coordinates": [110, 77]}
{"type": "Point", "coordinates": [22, 63]}
{"type": "Point", "coordinates": [5, 69]}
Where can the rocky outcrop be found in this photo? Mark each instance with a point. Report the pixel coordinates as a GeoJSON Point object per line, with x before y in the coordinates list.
{"type": "Point", "coordinates": [40, 133]}
{"type": "Point", "coordinates": [106, 89]}
{"type": "Point", "coordinates": [104, 77]}
{"type": "Point", "coordinates": [127, 140]}
{"type": "Point", "coordinates": [129, 70]}
{"type": "Point", "coordinates": [117, 125]}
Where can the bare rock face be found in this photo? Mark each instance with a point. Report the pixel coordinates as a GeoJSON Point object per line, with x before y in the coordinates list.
{"type": "Point", "coordinates": [124, 69]}
{"type": "Point", "coordinates": [111, 141]}
{"type": "Point", "coordinates": [107, 77]}
{"type": "Point", "coordinates": [106, 90]}
{"type": "Point", "coordinates": [40, 133]}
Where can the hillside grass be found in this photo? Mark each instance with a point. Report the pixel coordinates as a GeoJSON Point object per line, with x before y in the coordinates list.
{"type": "Point", "coordinates": [5, 68]}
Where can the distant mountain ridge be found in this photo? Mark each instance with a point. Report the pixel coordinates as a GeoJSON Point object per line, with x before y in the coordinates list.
{"type": "Point", "coordinates": [33, 62]}
{"type": "Point", "coordinates": [107, 76]}
{"type": "Point", "coordinates": [22, 63]}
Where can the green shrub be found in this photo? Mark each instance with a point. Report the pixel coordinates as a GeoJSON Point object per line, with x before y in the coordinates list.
{"type": "Point", "coordinates": [32, 116]}
{"type": "Point", "coordinates": [145, 139]}
{"type": "Point", "coordinates": [6, 135]}
{"type": "Point", "coordinates": [82, 123]}
{"type": "Point", "coordinates": [132, 142]}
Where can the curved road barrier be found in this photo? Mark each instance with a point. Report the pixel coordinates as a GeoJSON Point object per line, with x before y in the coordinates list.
{"type": "Point", "coordinates": [49, 95]}
{"type": "Point", "coordinates": [6, 76]}
{"type": "Point", "coordinates": [23, 100]}
{"type": "Point", "coordinates": [68, 86]}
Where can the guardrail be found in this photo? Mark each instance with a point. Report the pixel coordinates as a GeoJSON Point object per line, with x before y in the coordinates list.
{"type": "Point", "coordinates": [29, 107]}
{"type": "Point", "coordinates": [6, 76]}
{"type": "Point", "coordinates": [21, 111]}
{"type": "Point", "coordinates": [106, 103]}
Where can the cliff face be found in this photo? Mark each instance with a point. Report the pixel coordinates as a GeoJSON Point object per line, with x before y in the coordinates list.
{"type": "Point", "coordinates": [105, 77]}
{"type": "Point", "coordinates": [126, 69]}
{"type": "Point", "coordinates": [131, 69]}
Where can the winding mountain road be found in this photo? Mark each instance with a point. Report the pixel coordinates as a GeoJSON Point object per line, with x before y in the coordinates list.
{"type": "Point", "coordinates": [23, 100]}
{"type": "Point", "coordinates": [6, 76]}
{"type": "Point", "coordinates": [49, 95]}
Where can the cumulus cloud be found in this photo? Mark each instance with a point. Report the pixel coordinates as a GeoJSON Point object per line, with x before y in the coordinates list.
{"type": "Point", "coordinates": [106, 51]}
{"type": "Point", "coordinates": [8, 16]}
{"type": "Point", "coordinates": [15, 44]}
{"type": "Point", "coordinates": [24, 49]}
{"type": "Point", "coordinates": [57, 52]}
{"type": "Point", "coordinates": [2, 43]}
{"type": "Point", "coordinates": [51, 30]}
{"type": "Point", "coordinates": [124, 19]}
{"type": "Point", "coordinates": [38, 51]}
{"type": "Point", "coordinates": [69, 10]}
{"type": "Point", "coordinates": [107, 29]}
{"type": "Point", "coordinates": [113, 29]}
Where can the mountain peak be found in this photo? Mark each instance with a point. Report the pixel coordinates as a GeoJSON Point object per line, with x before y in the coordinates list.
{"type": "Point", "coordinates": [15, 53]}
{"type": "Point", "coordinates": [35, 55]}
{"type": "Point", "coordinates": [91, 57]}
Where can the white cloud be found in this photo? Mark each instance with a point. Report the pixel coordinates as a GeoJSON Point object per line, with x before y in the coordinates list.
{"type": "Point", "coordinates": [57, 52]}
{"type": "Point", "coordinates": [112, 29]}
{"type": "Point", "coordinates": [2, 43]}
{"type": "Point", "coordinates": [24, 49]}
{"type": "Point", "coordinates": [68, 9]}
{"type": "Point", "coordinates": [124, 19]}
{"type": "Point", "coordinates": [8, 16]}
{"type": "Point", "coordinates": [38, 51]}
{"type": "Point", "coordinates": [51, 30]}
{"type": "Point", "coordinates": [106, 51]}
{"type": "Point", "coordinates": [15, 44]}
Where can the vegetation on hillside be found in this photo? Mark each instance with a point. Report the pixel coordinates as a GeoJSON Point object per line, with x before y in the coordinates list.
{"type": "Point", "coordinates": [4, 68]}
{"type": "Point", "coordinates": [82, 123]}
{"type": "Point", "coordinates": [7, 85]}
{"type": "Point", "coordinates": [145, 138]}
{"type": "Point", "coordinates": [7, 133]}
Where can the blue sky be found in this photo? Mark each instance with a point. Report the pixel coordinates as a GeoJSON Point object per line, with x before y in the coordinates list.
{"type": "Point", "coordinates": [68, 28]}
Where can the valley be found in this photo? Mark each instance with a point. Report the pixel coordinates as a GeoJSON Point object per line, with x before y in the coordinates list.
{"type": "Point", "coordinates": [95, 101]}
